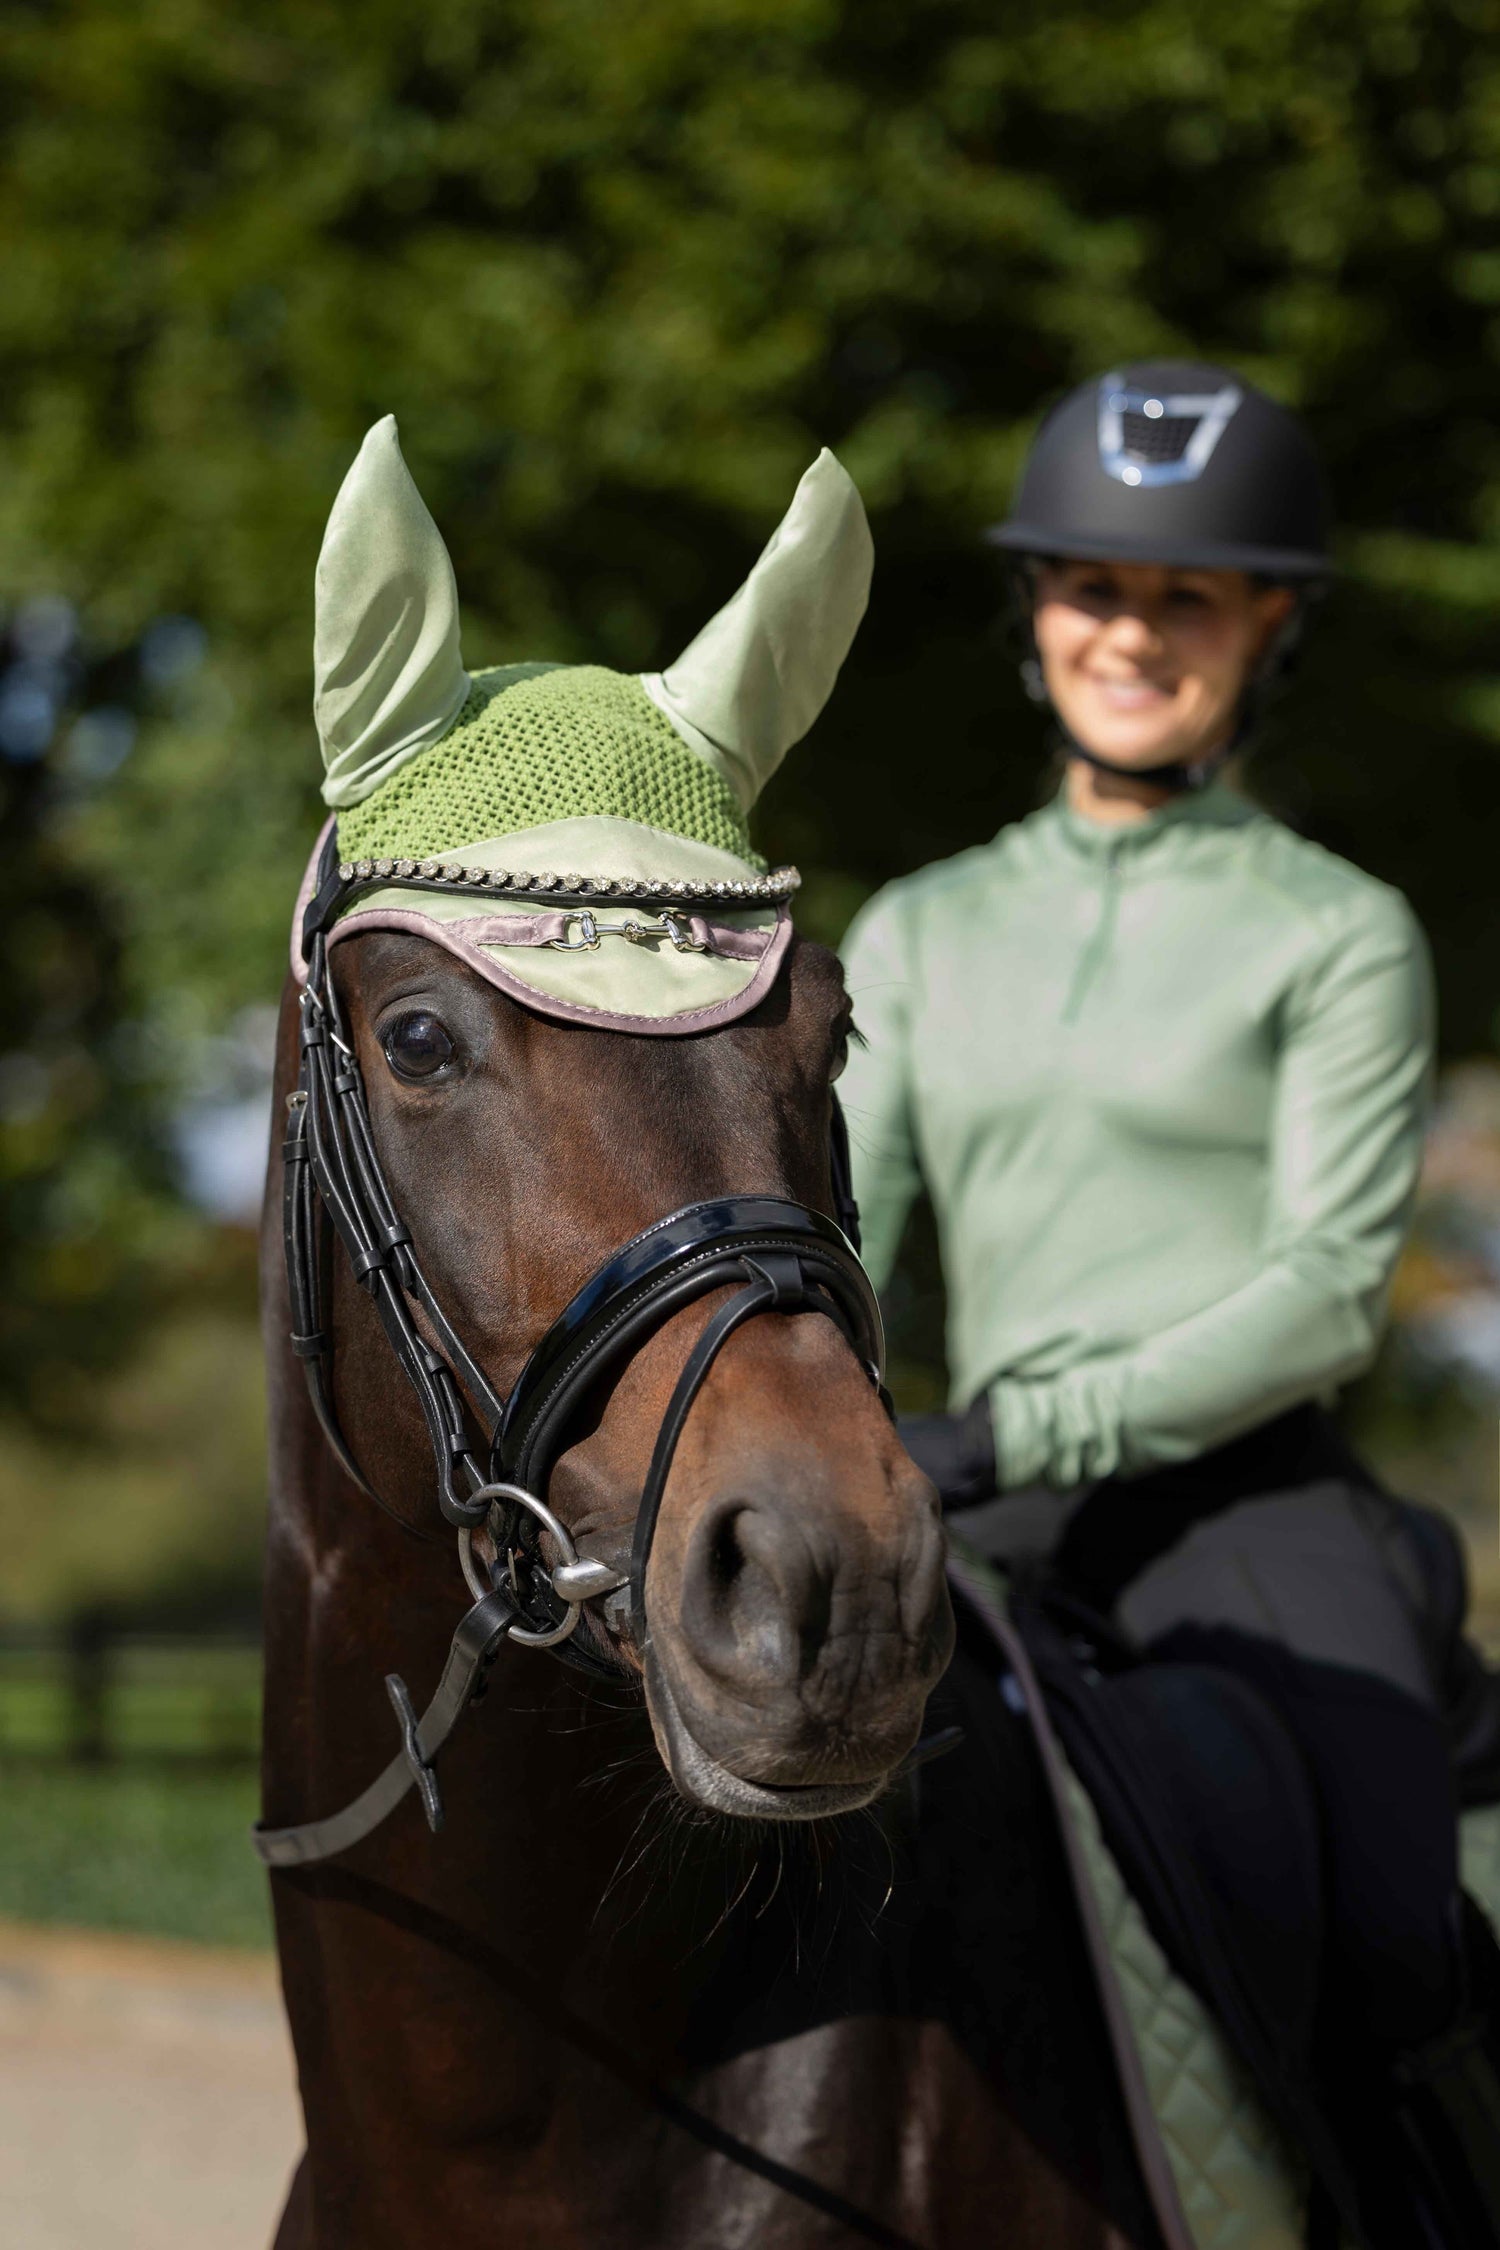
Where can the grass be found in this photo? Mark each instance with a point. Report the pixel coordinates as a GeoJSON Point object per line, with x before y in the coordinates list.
{"type": "Point", "coordinates": [154, 1836]}
{"type": "Point", "coordinates": [157, 1847]}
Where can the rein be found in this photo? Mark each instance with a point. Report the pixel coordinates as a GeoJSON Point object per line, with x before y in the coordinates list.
{"type": "Point", "coordinates": [493, 1456]}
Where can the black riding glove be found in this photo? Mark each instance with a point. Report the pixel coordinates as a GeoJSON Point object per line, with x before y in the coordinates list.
{"type": "Point", "coordinates": [956, 1450]}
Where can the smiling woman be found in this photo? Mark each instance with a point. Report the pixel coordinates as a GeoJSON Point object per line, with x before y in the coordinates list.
{"type": "Point", "coordinates": [1145, 666]}
{"type": "Point", "coordinates": [1162, 1066]}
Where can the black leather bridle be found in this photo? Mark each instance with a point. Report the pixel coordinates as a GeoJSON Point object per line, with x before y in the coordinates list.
{"type": "Point", "coordinates": [494, 1456]}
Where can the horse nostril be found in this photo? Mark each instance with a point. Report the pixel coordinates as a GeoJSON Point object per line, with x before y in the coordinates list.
{"type": "Point", "coordinates": [725, 1556]}
{"type": "Point", "coordinates": [755, 1605]}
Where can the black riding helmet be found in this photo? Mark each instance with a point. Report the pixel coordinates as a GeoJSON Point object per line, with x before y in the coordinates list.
{"type": "Point", "coordinates": [1175, 461]}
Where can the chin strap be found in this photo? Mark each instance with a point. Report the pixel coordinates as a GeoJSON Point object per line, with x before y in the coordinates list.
{"type": "Point", "coordinates": [1176, 777]}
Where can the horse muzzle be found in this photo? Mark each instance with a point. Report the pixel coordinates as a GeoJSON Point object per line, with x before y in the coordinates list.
{"type": "Point", "coordinates": [793, 1648]}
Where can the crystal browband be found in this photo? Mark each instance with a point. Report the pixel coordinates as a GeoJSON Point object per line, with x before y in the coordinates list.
{"type": "Point", "coordinates": [354, 876]}
{"type": "Point", "coordinates": [433, 875]}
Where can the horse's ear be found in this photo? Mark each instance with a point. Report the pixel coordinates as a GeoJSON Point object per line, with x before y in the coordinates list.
{"type": "Point", "coordinates": [388, 673]}
{"type": "Point", "coordinates": [759, 673]}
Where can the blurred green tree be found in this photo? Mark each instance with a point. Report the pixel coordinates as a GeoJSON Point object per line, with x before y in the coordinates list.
{"type": "Point", "coordinates": [85, 1205]}
{"type": "Point", "coordinates": [619, 267]}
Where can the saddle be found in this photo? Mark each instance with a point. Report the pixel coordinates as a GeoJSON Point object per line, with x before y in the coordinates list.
{"type": "Point", "coordinates": [1182, 1799]}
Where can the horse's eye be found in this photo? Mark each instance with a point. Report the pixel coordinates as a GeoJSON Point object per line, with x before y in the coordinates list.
{"type": "Point", "coordinates": [849, 1035]}
{"type": "Point", "coordinates": [418, 1046]}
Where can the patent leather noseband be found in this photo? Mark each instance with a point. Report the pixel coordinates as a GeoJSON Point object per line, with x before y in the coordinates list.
{"type": "Point", "coordinates": [779, 1257]}
{"type": "Point", "coordinates": [494, 1456]}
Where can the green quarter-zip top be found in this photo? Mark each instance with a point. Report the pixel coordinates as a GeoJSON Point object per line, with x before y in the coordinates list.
{"type": "Point", "coordinates": [1166, 1086]}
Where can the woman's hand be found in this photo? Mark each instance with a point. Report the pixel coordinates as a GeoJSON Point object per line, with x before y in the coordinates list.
{"type": "Point", "coordinates": [956, 1450]}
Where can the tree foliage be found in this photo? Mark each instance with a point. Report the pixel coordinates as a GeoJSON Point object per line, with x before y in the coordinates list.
{"type": "Point", "coordinates": [86, 1212]}
{"type": "Point", "coordinates": [620, 266]}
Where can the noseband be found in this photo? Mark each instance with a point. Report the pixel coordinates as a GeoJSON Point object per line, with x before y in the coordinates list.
{"type": "Point", "coordinates": [494, 1456]}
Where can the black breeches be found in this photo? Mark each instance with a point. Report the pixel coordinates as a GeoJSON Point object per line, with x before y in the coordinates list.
{"type": "Point", "coordinates": [1282, 1566]}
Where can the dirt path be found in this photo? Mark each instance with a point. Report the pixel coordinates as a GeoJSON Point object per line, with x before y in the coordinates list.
{"type": "Point", "coordinates": [146, 2095]}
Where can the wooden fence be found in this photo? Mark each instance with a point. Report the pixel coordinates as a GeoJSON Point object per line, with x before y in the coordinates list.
{"type": "Point", "coordinates": [95, 1693]}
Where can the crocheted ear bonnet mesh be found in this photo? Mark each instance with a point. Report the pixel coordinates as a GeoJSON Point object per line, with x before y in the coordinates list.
{"type": "Point", "coordinates": [537, 743]}
{"type": "Point", "coordinates": [546, 791]}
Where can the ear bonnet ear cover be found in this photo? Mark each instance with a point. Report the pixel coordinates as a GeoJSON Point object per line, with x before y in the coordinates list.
{"type": "Point", "coordinates": [542, 772]}
{"type": "Point", "coordinates": [759, 673]}
{"type": "Point", "coordinates": [388, 675]}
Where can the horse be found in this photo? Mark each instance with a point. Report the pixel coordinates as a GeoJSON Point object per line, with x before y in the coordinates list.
{"type": "Point", "coordinates": [697, 1947]}
{"type": "Point", "coordinates": [500, 2030]}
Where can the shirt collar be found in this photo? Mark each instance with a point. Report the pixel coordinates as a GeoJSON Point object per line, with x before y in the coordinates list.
{"type": "Point", "coordinates": [1216, 807]}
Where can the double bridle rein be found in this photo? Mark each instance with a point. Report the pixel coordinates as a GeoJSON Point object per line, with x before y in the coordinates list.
{"type": "Point", "coordinates": [494, 1455]}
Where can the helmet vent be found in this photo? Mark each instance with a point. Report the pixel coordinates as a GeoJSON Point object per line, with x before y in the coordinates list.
{"type": "Point", "coordinates": [1150, 438]}
{"type": "Point", "coordinates": [1164, 440]}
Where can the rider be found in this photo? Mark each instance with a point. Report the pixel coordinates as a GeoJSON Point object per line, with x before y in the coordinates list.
{"type": "Point", "coordinates": [1162, 1066]}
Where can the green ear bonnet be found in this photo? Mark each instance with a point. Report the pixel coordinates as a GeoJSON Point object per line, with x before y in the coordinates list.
{"type": "Point", "coordinates": [500, 813]}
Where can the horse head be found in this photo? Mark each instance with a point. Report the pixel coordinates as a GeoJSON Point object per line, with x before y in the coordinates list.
{"type": "Point", "coordinates": [539, 957]}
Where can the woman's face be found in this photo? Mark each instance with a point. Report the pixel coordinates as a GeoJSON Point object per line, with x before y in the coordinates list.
{"type": "Point", "coordinates": [1145, 663]}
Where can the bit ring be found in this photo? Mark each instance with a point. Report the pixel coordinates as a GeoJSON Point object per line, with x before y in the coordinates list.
{"type": "Point", "coordinates": [478, 1582]}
